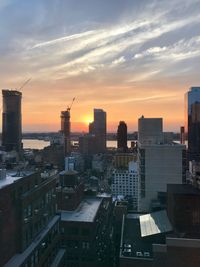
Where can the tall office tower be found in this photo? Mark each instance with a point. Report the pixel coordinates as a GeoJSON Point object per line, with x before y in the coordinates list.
{"type": "Point", "coordinates": [182, 135]}
{"type": "Point", "coordinates": [122, 136]}
{"type": "Point", "coordinates": [65, 130]}
{"type": "Point", "coordinates": [150, 130]}
{"type": "Point", "coordinates": [160, 163]}
{"type": "Point", "coordinates": [98, 128]}
{"type": "Point", "coordinates": [192, 122]}
{"type": "Point", "coordinates": [12, 121]}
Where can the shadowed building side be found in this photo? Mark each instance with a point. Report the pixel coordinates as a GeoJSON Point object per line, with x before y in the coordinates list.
{"type": "Point", "coordinates": [98, 129]}
{"type": "Point", "coordinates": [122, 136]}
{"type": "Point", "coordinates": [65, 129]}
{"type": "Point", "coordinates": [192, 122]}
{"type": "Point", "coordinates": [12, 120]}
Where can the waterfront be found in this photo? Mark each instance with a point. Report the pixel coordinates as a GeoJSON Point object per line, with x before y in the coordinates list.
{"type": "Point", "coordinates": [40, 144]}
{"type": "Point", "coordinates": [34, 143]}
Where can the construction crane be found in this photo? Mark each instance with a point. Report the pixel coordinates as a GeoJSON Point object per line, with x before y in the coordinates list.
{"type": "Point", "coordinates": [69, 107]}
{"type": "Point", "coordinates": [22, 86]}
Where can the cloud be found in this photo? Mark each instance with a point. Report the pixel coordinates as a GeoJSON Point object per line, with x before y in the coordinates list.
{"type": "Point", "coordinates": [63, 39]}
{"type": "Point", "coordinates": [103, 47]}
{"type": "Point", "coordinates": [99, 51]}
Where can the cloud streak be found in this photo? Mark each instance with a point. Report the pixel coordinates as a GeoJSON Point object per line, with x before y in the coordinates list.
{"type": "Point", "coordinates": [100, 53]}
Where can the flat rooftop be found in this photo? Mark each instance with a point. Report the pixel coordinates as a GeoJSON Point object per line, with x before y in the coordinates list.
{"type": "Point", "coordinates": [8, 92]}
{"type": "Point", "coordinates": [12, 177]}
{"type": "Point", "coordinates": [182, 189]}
{"type": "Point", "coordinates": [154, 223]}
{"type": "Point", "coordinates": [133, 244]}
{"type": "Point", "coordinates": [86, 211]}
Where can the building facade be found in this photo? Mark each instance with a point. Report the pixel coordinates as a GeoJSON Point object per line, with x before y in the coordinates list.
{"type": "Point", "coordinates": [192, 122]}
{"type": "Point", "coordinates": [12, 120]}
{"type": "Point", "coordinates": [159, 163]}
{"type": "Point", "coordinates": [65, 130]}
{"type": "Point", "coordinates": [122, 136]}
{"type": "Point", "coordinates": [86, 233]}
{"type": "Point", "coordinates": [125, 183]}
{"type": "Point", "coordinates": [98, 129]}
{"type": "Point", "coordinates": [29, 230]}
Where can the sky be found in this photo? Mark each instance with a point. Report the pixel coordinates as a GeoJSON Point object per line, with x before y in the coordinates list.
{"type": "Point", "coordinates": [128, 57]}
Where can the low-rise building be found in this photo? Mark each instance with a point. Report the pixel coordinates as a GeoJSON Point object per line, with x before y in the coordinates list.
{"type": "Point", "coordinates": [86, 233]}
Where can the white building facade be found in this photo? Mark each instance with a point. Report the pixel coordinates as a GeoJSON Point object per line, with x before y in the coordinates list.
{"type": "Point", "coordinates": [125, 183]}
{"type": "Point", "coordinates": [159, 163]}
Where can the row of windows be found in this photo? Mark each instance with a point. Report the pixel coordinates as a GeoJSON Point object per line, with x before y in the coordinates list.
{"type": "Point", "coordinates": [31, 229]}
{"type": "Point", "coordinates": [76, 231]}
{"type": "Point", "coordinates": [38, 204]}
{"type": "Point", "coordinates": [34, 258]}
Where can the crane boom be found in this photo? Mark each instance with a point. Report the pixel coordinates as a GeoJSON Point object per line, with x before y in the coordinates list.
{"type": "Point", "coordinates": [25, 83]}
{"type": "Point", "coordinates": [69, 107]}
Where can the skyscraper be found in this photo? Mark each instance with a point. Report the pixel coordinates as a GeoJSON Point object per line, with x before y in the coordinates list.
{"type": "Point", "coordinates": [65, 130]}
{"type": "Point", "coordinates": [192, 122]}
{"type": "Point", "coordinates": [11, 120]}
{"type": "Point", "coordinates": [98, 128]}
{"type": "Point", "coordinates": [122, 136]}
{"type": "Point", "coordinates": [159, 162]}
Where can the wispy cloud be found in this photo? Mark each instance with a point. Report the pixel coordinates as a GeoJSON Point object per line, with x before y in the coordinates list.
{"type": "Point", "coordinates": [104, 47]}
{"type": "Point", "coordinates": [100, 50]}
{"type": "Point", "coordinates": [63, 39]}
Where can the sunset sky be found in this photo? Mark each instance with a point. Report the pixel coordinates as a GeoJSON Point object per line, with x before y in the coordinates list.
{"type": "Point", "coordinates": [128, 57]}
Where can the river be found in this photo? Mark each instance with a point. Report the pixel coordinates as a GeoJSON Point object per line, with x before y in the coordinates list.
{"type": "Point", "coordinates": [40, 144]}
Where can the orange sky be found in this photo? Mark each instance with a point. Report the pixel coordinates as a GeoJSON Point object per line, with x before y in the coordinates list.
{"type": "Point", "coordinates": [130, 58]}
{"type": "Point", "coordinates": [41, 112]}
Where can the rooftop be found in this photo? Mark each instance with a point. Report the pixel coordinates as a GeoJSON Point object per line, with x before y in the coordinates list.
{"type": "Point", "coordinates": [184, 189]}
{"type": "Point", "coordinates": [7, 92]}
{"type": "Point", "coordinates": [86, 211]}
{"type": "Point", "coordinates": [154, 223]}
{"type": "Point", "coordinates": [11, 177]}
{"type": "Point", "coordinates": [133, 244]}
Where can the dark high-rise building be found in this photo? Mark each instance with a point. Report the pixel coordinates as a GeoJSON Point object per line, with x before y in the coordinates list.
{"type": "Point", "coordinates": [122, 136]}
{"type": "Point", "coordinates": [182, 135]}
{"type": "Point", "coordinates": [192, 122]}
{"type": "Point", "coordinates": [11, 121]}
{"type": "Point", "coordinates": [65, 129]}
{"type": "Point", "coordinates": [98, 128]}
{"type": "Point", "coordinates": [29, 231]}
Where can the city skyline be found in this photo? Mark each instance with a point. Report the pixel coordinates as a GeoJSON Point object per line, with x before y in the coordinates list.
{"type": "Point", "coordinates": [129, 59]}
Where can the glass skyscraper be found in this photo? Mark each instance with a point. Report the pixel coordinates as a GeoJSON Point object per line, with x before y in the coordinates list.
{"type": "Point", "coordinates": [192, 122]}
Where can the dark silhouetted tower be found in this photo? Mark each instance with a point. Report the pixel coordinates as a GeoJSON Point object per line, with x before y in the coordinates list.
{"type": "Point", "coordinates": [122, 136]}
{"type": "Point", "coordinates": [182, 135]}
{"type": "Point", "coordinates": [65, 129]}
{"type": "Point", "coordinates": [98, 129]}
{"type": "Point", "coordinates": [192, 122]}
{"type": "Point", "coordinates": [12, 120]}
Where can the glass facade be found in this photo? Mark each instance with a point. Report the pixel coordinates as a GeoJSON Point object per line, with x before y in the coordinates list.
{"type": "Point", "coordinates": [192, 122]}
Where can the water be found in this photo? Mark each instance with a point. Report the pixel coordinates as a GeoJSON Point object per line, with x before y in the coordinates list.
{"type": "Point", "coordinates": [35, 143]}
{"type": "Point", "coordinates": [113, 143]}
{"type": "Point", "coordinates": [40, 144]}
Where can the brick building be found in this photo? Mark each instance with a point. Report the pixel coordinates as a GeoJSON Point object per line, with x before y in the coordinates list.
{"type": "Point", "coordinates": [29, 231]}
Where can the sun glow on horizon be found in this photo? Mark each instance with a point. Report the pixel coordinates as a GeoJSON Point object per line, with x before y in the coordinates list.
{"type": "Point", "coordinates": [87, 119]}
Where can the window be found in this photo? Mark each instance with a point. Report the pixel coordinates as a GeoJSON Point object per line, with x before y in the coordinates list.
{"type": "Point", "coordinates": [85, 245]}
